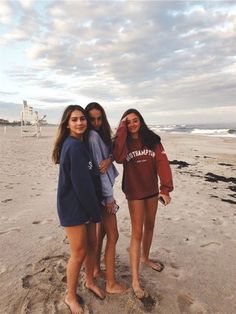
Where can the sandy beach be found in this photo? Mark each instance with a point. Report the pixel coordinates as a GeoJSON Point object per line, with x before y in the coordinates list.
{"type": "Point", "coordinates": [195, 236]}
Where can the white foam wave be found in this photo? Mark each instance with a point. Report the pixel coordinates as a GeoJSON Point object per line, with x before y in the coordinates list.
{"type": "Point", "coordinates": [212, 132]}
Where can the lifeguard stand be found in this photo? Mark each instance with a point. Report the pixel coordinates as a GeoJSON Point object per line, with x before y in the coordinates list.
{"type": "Point", "coordinates": [30, 122]}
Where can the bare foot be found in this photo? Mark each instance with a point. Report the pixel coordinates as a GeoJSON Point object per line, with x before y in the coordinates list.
{"type": "Point", "coordinates": [139, 292]}
{"type": "Point", "coordinates": [99, 273]}
{"type": "Point", "coordinates": [73, 305]}
{"type": "Point", "coordinates": [99, 293]}
{"type": "Point", "coordinates": [115, 288]}
{"type": "Point", "coordinates": [158, 265]}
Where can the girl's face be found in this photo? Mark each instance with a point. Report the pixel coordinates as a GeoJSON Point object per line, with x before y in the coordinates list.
{"type": "Point", "coordinates": [133, 124]}
{"type": "Point", "coordinates": [77, 124]}
{"type": "Point", "coordinates": [95, 117]}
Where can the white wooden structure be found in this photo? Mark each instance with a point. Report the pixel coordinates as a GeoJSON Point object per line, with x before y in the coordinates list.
{"type": "Point", "coordinates": [30, 122]}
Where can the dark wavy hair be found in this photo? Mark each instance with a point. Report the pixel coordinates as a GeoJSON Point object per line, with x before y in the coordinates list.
{"type": "Point", "coordinates": [63, 131]}
{"type": "Point", "coordinates": [105, 129]}
{"type": "Point", "coordinates": [148, 137]}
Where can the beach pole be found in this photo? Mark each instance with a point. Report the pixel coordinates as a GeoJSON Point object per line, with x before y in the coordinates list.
{"type": "Point", "coordinates": [21, 124]}
{"type": "Point", "coordinates": [5, 130]}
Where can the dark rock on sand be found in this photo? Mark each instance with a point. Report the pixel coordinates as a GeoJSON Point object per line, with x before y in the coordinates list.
{"type": "Point", "coordinates": [211, 177]}
{"type": "Point", "coordinates": [228, 201]}
{"type": "Point", "coordinates": [232, 188]}
{"type": "Point", "coordinates": [180, 163]}
{"type": "Point", "coordinates": [223, 164]}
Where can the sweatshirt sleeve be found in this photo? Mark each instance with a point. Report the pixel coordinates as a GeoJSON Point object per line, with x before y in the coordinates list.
{"type": "Point", "coordinates": [120, 148]}
{"type": "Point", "coordinates": [96, 151]}
{"type": "Point", "coordinates": [163, 170]}
{"type": "Point", "coordinates": [81, 178]}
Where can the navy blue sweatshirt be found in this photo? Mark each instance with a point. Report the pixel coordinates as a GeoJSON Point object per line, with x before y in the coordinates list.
{"type": "Point", "coordinates": [76, 198]}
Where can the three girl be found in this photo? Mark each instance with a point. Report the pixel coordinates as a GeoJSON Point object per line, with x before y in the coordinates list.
{"type": "Point", "coordinates": [144, 160]}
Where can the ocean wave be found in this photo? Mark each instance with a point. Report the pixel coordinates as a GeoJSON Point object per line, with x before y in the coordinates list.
{"type": "Point", "coordinates": [206, 130]}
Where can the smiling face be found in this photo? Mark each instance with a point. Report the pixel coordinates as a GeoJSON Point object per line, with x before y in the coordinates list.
{"type": "Point", "coordinates": [77, 124]}
{"type": "Point", "coordinates": [133, 124]}
{"type": "Point", "coordinates": [95, 117]}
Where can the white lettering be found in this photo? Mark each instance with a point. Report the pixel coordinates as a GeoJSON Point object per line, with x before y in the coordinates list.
{"type": "Point", "coordinates": [142, 152]}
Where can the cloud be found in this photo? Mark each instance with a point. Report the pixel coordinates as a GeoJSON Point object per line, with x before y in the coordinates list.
{"type": "Point", "coordinates": [49, 100]}
{"type": "Point", "coordinates": [5, 93]}
{"type": "Point", "coordinates": [167, 55]}
{"type": "Point", "coordinates": [9, 110]}
{"type": "Point", "coordinates": [6, 12]}
{"type": "Point", "coordinates": [27, 4]}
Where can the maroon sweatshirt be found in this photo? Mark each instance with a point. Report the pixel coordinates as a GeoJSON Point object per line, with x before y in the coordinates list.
{"type": "Point", "coordinates": [142, 166]}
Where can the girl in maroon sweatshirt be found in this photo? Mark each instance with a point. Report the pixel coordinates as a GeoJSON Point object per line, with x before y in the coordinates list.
{"type": "Point", "coordinates": [144, 160]}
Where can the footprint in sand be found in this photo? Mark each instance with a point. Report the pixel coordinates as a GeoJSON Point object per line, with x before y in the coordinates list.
{"type": "Point", "coordinates": [188, 305]}
{"type": "Point", "coordinates": [166, 250]}
{"type": "Point", "coordinates": [9, 230]}
{"type": "Point", "coordinates": [4, 218]}
{"type": "Point", "coordinates": [46, 239]}
{"type": "Point", "coordinates": [7, 200]}
{"type": "Point", "coordinates": [210, 244]}
{"type": "Point", "coordinates": [45, 285]}
{"type": "Point", "coordinates": [174, 271]}
{"type": "Point", "coordinates": [3, 268]}
{"type": "Point", "coordinates": [217, 221]}
{"type": "Point", "coordinates": [43, 222]}
{"type": "Point", "coordinates": [8, 187]}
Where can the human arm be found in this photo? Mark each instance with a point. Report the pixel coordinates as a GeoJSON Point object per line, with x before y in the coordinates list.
{"type": "Point", "coordinates": [105, 164]}
{"type": "Point", "coordinates": [109, 207]}
{"type": "Point", "coordinates": [165, 199]}
{"type": "Point", "coordinates": [98, 150]}
{"type": "Point", "coordinates": [120, 148]}
{"type": "Point", "coordinates": [164, 173]}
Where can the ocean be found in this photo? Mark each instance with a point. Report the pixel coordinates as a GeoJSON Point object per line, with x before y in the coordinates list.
{"type": "Point", "coordinates": [220, 129]}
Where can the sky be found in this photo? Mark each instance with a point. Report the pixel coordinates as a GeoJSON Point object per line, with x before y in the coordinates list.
{"type": "Point", "coordinates": [174, 61]}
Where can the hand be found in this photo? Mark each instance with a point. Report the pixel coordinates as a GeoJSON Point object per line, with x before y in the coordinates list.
{"type": "Point", "coordinates": [104, 165]}
{"type": "Point", "coordinates": [109, 207]}
{"type": "Point", "coordinates": [166, 198]}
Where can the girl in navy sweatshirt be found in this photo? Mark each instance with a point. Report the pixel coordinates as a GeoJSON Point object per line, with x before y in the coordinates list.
{"type": "Point", "coordinates": [144, 160]}
{"type": "Point", "coordinates": [77, 205]}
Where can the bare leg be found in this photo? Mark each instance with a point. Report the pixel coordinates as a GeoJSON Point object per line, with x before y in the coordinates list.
{"type": "Point", "coordinates": [90, 262]}
{"type": "Point", "coordinates": [149, 223]}
{"type": "Point", "coordinates": [100, 234]}
{"type": "Point", "coordinates": [110, 225]}
{"type": "Point", "coordinates": [136, 209]}
{"type": "Point", "coordinates": [77, 237]}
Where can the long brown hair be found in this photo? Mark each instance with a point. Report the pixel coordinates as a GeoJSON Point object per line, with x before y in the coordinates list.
{"type": "Point", "coordinates": [63, 131]}
{"type": "Point", "coordinates": [148, 137]}
{"type": "Point", "coordinates": [105, 129]}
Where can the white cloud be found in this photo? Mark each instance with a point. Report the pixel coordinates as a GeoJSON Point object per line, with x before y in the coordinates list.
{"type": "Point", "coordinates": [6, 12]}
{"type": "Point", "coordinates": [27, 4]}
{"type": "Point", "coordinates": [170, 55]}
